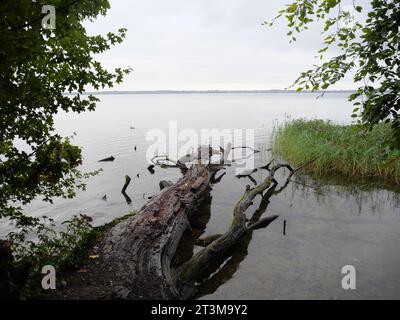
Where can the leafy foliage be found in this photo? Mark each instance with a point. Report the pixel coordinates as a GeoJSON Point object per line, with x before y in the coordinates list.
{"type": "Point", "coordinates": [37, 67]}
{"type": "Point", "coordinates": [49, 247]}
{"type": "Point", "coordinates": [370, 48]}
{"type": "Point", "coordinates": [65, 250]}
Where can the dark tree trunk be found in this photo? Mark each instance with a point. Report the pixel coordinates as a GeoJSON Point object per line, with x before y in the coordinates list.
{"type": "Point", "coordinates": [139, 250]}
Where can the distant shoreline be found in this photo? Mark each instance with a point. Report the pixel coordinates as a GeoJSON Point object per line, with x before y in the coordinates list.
{"type": "Point", "coordinates": [206, 92]}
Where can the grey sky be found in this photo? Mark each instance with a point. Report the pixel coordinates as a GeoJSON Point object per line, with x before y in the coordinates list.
{"type": "Point", "coordinates": [206, 44]}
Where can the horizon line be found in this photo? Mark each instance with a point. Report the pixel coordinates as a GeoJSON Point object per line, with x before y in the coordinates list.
{"type": "Point", "coordinates": [208, 91]}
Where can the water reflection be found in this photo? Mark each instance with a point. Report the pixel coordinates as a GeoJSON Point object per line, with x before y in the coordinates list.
{"type": "Point", "coordinates": [373, 194]}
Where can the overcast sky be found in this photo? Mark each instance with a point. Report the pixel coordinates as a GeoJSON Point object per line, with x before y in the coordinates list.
{"type": "Point", "coordinates": [206, 44]}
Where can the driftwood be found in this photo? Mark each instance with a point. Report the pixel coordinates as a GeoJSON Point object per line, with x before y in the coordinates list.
{"type": "Point", "coordinates": [151, 254]}
{"type": "Point", "coordinates": [151, 168]}
{"type": "Point", "coordinates": [246, 147]}
{"type": "Point", "coordinates": [165, 162]}
{"type": "Point", "coordinates": [123, 191]}
{"type": "Point", "coordinates": [107, 159]}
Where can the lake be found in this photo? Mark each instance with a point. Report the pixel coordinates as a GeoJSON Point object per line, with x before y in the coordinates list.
{"type": "Point", "coordinates": [330, 223]}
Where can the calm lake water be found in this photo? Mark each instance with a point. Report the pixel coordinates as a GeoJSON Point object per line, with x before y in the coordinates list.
{"type": "Point", "coordinates": [329, 223]}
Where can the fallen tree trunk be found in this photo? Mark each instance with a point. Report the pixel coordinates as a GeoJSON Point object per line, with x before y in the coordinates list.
{"type": "Point", "coordinates": [139, 251]}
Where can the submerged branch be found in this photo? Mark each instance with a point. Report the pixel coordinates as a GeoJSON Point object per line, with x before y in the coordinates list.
{"type": "Point", "coordinates": [123, 191]}
{"type": "Point", "coordinates": [200, 262]}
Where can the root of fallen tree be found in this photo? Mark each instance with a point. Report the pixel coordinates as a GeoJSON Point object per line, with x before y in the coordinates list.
{"type": "Point", "coordinates": [140, 251]}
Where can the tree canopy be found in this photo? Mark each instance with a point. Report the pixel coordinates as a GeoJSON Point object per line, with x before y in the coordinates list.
{"type": "Point", "coordinates": [365, 43]}
{"type": "Point", "coordinates": [37, 67]}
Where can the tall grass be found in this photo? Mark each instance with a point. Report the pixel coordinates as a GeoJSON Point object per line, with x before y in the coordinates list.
{"type": "Point", "coordinates": [348, 150]}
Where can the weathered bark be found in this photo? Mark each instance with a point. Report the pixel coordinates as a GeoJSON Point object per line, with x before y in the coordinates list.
{"type": "Point", "coordinates": [139, 250]}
